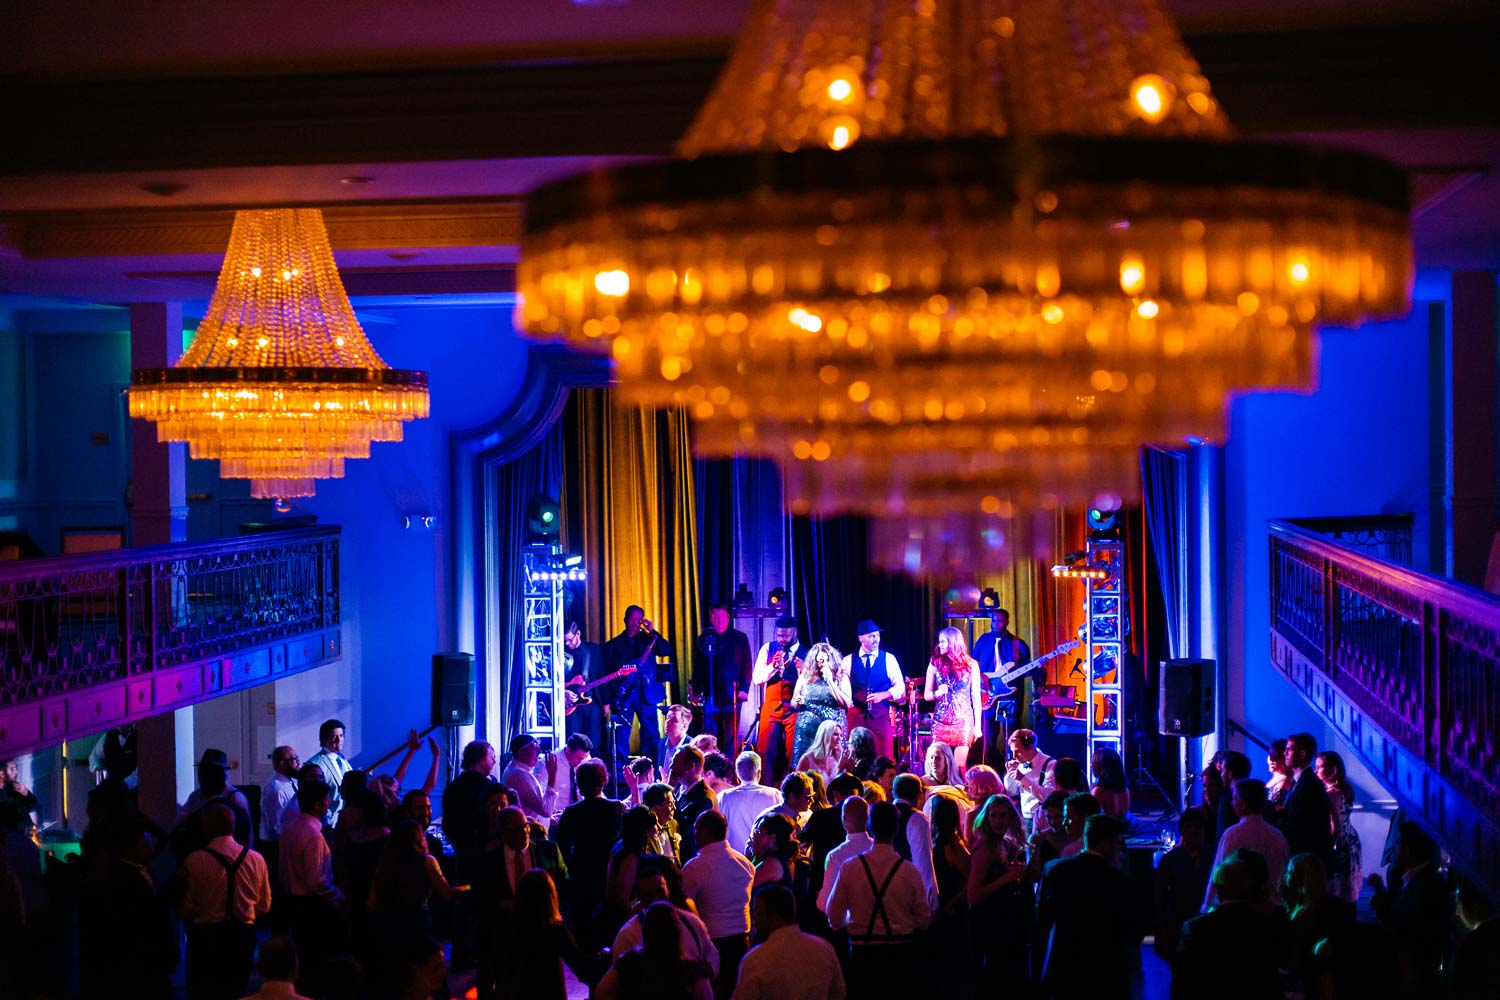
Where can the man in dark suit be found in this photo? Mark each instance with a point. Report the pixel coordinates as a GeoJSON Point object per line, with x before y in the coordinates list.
{"type": "Point", "coordinates": [692, 796]}
{"type": "Point", "coordinates": [1089, 918]}
{"type": "Point", "coordinates": [125, 927]}
{"type": "Point", "coordinates": [1418, 912]}
{"type": "Point", "coordinates": [721, 674]}
{"type": "Point", "coordinates": [639, 693]}
{"type": "Point", "coordinates": [499, 880]}
{"type": "Point", "coordinates": [586, 832]}
{"type": "Point", "coordinates": [1238, 937]}
{"type": "Point", "coordinates": [1307, 820]}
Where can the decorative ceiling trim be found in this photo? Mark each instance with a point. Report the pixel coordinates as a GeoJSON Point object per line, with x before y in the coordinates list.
{"type": "Point", "coordinates": [149, 232]}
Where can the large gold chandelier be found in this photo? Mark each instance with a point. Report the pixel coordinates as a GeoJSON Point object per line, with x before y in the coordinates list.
{"type": "Point", "coordinates": [280, 384]}
{"type": "Point", "coordinates": [962, 253]}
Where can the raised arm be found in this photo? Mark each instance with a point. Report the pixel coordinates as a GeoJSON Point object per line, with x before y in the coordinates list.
{"type": "Point", "coordinates": [432, 770]}
{"type": "Point", "coordinates": [413, 743]}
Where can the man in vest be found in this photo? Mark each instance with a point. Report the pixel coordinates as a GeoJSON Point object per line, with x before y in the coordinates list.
{"type": "Point", "coordinates": [875, 679]}
{"type": "Point", "coordinates": [880, 898]}
{"type": "Point", "coordinates": [776, 667]}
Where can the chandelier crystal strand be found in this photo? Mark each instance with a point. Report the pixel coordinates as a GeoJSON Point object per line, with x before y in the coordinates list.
{"type": "Point", "coordinates": [926, 242]}
{"type": "Point", "coordinates": [280, 383]}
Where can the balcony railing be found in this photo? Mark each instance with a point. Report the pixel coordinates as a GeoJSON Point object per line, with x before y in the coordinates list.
{"type": "Point", "coordinates": [90, 641]}
{"type": "Point", "coordinates": [1407, 667]}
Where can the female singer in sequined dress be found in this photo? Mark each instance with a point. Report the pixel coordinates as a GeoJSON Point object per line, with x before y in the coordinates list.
{"type": "Point", "coordinates": [954, 682]}
{"type": "Point", "coordinates": [822, 695]}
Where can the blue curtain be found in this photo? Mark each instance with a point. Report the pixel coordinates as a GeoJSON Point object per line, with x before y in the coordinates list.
{"type": "Point", "coordinates": [539, 470]}
{"type": "Point", "coordinates": [1164, 478]}
{"type": "Point", "coordinates": [743, 528]}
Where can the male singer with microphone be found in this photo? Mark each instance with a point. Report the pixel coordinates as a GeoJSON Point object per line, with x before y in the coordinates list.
{"type": "Point", "coordinates": [875, 679]}
{"type": "Point", "coordinates": [776, 667]}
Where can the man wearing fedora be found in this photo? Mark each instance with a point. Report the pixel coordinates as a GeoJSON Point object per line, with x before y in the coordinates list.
{"type": "Point", "coordinates": [775, 673]}
{"type": "Point", "coordinates": [214, 786]}
{"type": "Point", "coordinates": [875, 680]}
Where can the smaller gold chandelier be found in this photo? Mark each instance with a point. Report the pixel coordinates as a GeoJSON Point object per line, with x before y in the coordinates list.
{"type": "Point", "coordinates": [281, 385]}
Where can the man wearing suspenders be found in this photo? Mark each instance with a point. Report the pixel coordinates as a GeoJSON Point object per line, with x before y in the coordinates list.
{"type": "Point", "coordinates": [879, 897]}
{"type": "Point", "coordinates": [226, 888]}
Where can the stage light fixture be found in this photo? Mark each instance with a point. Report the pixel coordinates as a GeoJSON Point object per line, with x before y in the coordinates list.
{"type": "Point", "coordinates": [743, 599]}
{"type": "Point", "coordinates": [543, 518]}
{"type": "Point", "coordinates": [989, 599]}
{"type": "Point", "coordinates": [1086, 571]}
{"type": "Point", "coordinates": [779, 600]}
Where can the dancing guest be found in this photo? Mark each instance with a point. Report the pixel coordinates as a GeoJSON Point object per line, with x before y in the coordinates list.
{"type": "Point", "coordinates": [1476, 958]}
{"type": "Point", "coordinates": [1418, 911]}
{"type": "Point", "coordinates": [637, 829]}
{"type": "Point", "coordinates": [821, 695]}
{"type": "Point", "coordinates": [980, 782]}
{"type": "Point", "coordinates": [796, 798]}
{"type": "Point", "coordinates": [787, 964]}
{"type": "Point", "coordinates": [998, 894]}
{"type": "Point", "coordinates": [333, 765]}
{"type": "Point", "coordinates": [1086, 910]}
{"type": "Point", "coordinates": [1050, 837]}
{"type": "Point", "coordinates": [586, 832]}
{"type": "Point", "coordinates": [824, 752]}
{"type": "Point", "coordinates": [913, 837]}
{"type": "Point", "coordinates": [1077, 808]}
{"type": "Point", "coordinates": [1109, 786]}
{"type": "Point", "coordinates": [639, 773]}
{"type": "Point", "coordinates": [1209, 798]}
{"type": "Point", "coordinates": [875, 680]}
{"type": "Point", "coordinates": [954, 683]}
{"type": "Point", "coordinates": [1252, 833]}
{"type": "Point", "coordinates": [884, 774]}
{"type": "Point", "coordinates": [663, 966]}
{"type": "Point", "coordinates": [1232, 766]}
{"type": "Point", "coordinates": [855, 813]}
{"type": "Point", "coordinates": [824, 830]}
{"type": "Point", "coordinates": [1345, 875]}
{"type": "Point", "coordinates": [1182, 880]}
{"type": "Point", "coordinates": [775, 852]}
{"type": "Point", "coordinates": [1068, 776]}
{"type": "Point", "coordinates": [862, 755]}
{"type": "Point", "coordinates": [776, 671]}
{"type": "Point", "coordinates": [694, 797]}
{"type": "Point", "coordinates": [666, 840]}
{"type": "Point", "coordinates": [1235, 938]}
{"type": "Point", "coordinates": [1280, 782]}
{"type": "Point", "coordinates": [747, 800]}
{"type": "Point", "coordinates": [717, 881]}
{"type": "Point", "coordinates": [718, 771]}
{"type": "Point", "coordinates": [1028, 773]}
{"type": "Point", "coordinates": [950, 858]}
{"type": "Point", "coordinates": [678, 719]}
{"type": "Point", "coordinates": [1307, 820]}
{"type": "Point", "coordinates": [881, 899]}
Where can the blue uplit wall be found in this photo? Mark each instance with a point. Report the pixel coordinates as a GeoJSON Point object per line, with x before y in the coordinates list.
{"type": "Point", "coordinates": [1359, 445]}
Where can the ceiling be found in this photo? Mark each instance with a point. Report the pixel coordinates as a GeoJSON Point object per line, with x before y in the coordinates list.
{"type": "Point", "coordinates": [137, 123]}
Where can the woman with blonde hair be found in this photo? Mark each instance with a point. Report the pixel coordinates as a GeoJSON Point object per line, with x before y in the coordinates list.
{"type": "Point", "coordinates": [998, 893]}
{"type": "Point", "coordinates": [822, 694]}
{"type": "Point", "coordinates": [823, 755]}
{"type": "Point", "coordinates": [953, 682]}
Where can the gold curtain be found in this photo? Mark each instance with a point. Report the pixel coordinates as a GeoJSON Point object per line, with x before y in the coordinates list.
{"type": "Point", "coordinates": [629, 510]}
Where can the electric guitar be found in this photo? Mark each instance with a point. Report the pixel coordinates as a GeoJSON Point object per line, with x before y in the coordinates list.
{"type": "Point", "coordinates": [1009, 672]}
{"type": "Point", "coordinates": [577, 692]}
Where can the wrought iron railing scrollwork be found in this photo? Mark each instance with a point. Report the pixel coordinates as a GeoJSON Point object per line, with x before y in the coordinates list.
{"type": "Point", "coordinates": [73, 622]}
{"type": "Point", "coordinates": [1419, 656]}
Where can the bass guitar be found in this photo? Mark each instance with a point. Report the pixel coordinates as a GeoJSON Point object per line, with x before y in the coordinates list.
{"type": "Point", "coordinates": [1009, 672]}
{"type": "Point", "coordinates": [577, 692]}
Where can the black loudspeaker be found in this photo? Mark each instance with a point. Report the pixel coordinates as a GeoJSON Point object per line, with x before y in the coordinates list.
{"type": "Point", "coordinates": [452, 689]}
{"type": "Point", "coordinates": [1186, 699]}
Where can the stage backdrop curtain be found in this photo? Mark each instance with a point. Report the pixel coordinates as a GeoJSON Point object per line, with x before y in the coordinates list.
{"type": "Point", "coordinates": [539, 470]}
{"type": "Point", "coordinates": [629, 509]}
{"type": "Point", "coordinates": [834, 588]}
{"type": "Point", "coordinates": [743, 530]}
{"type": "Point", "coordinates": [1164, 481]}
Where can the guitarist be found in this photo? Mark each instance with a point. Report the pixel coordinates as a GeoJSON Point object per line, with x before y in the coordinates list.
{"type": "Point", "coordinates": [584, 663]}
{"type": "Point", "coordinates": [637, 695]}
{"type": "Point", "coordinates": [997, 650]}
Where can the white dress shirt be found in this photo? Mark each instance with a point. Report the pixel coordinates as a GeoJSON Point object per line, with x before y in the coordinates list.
{"type": "Point", "coordinates": [278, 801]}
{"type": "Point", "coordinates": [853, 846]}
{"type": "Point", "coordinates": [852, 902]}
{"type": "Point", "coordinates": [697, 943]}
{"type": "Point", "coordinates": [203, 902]}
{"type": "Point", "coordinates": [306, 864]}
{"type": "Point", "coordinates": [742, 804]}
{"type": "Point", "coordinates": [919, 838]}
{"type": "Point", "coordinates": [717, 880]}
{"type": "Point", "coordinates": [1254, 834]}
{"type": "Point", "coordinates": [537, 802]}
{"type": "Point", "coordinates": [790, 965]}
{"type": "Point", "coordinates": [1033, 782]}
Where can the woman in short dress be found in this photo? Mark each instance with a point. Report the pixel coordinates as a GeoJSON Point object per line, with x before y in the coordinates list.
{"type": "Point", "coordinates": [822, 695]}
{"type": "Point", "coordinates": [953, 682]}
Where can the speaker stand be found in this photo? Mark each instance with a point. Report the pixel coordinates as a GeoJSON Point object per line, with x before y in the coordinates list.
{"type": "Point", "coordinates": [1142, 777]}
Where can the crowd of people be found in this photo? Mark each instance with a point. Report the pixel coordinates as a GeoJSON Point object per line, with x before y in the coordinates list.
{"type": "Point", "coordinates": [845, 878]}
